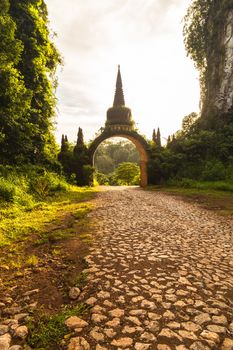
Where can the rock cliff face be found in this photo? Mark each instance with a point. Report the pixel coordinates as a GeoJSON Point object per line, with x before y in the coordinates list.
{"type": "Point", "coordinates": [219, 78]}
{"type": "Point", "coordinates": [224, 97]}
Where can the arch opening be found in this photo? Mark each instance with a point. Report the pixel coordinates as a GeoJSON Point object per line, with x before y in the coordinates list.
{"type": "Point", "coordinates": [139, 143]}
{"type": "Point", "coordinates": [110, 154]}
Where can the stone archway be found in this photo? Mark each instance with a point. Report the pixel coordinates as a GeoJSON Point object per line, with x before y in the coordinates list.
{"type": "Point", "coordinates": [120, 123]}
{"type": "Point", "coordinates": [139, 142]}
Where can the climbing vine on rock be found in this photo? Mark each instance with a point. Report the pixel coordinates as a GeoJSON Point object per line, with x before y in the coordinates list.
{"type": "Point", "coordinates": [204, 34]}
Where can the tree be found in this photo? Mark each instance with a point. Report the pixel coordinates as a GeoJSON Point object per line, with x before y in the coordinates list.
{"type": "Point", "coordinates": [196, 37]}
{"type": "Point", "coordinates": [154, 136]}
{"type": "Point", "coordinates": [127, 173]}
{"type": "Point", "coordinates": [65, 156]}
{"type": "Point", "coordinates": [80, 160]}
{"type": "Point", "coordinates": [110, 154]}
{"type": "Point", "coordinates": [15, 99]}
{"type": "Point", "coordinates": [37, 66]}
{"type": "Point", "coordinates": [189, 123]}
{"type": "Point", "coordinates": [207, 33]}
{"type": "Point", "coordinates": [158, 138]}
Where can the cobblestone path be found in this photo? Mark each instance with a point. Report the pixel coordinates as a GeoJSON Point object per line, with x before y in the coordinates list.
{"type": "Point", "coordinates": [160, 275]}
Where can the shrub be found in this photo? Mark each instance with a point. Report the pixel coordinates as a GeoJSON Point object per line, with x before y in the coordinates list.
{"type": "Point", "coordinates": [46, 184]}
{"type": "Point", "coordinates": [214, 170]}
{"type": "Point", "coordinates": [88, 172]}
{"type": "Point", "coordinates": [101, 178]}
{"type": "Point", "coordinates": [7, 190]}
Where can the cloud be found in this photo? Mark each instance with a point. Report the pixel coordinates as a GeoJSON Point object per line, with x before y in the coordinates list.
{"type": "Point", "coordinates": [145, 36]}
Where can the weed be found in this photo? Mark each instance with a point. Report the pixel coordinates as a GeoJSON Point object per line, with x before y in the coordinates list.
{"type": "Point", "coordinates": [48, 332]}
{"type": "Point", "coordinates": [79, 280]}
{"type": "Point", "coordinates": [32, 260]}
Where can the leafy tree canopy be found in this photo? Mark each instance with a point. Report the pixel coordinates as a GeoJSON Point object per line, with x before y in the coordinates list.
{"type": "Point", "coordinates": [127, 173]}
{"type": "Point", "coordinates": [28, 61]}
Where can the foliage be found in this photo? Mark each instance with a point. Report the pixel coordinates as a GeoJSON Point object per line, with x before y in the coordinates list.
{"type": "Point", "coordinates": [80, 161]}
{"type": "Point", "coordinates": [46, 184]}
{"type": "Point", "coordinates": [196, 31]}
{"type": "Point", "coordinates": [110, 154]}
{"type": "Point", "coordinates": [128, 173]}
{"type": "Point", "coordinates": [204, 24]}
{"type": "Point", "coordinates": [15, 99]}
{"type": "Point", "coordinates": [18, 214]}
{"type": "Point", "coordinates": [48, 332]}
{"type": "Point", "coordinates": [65, 157]}
{"type": "Point", "coordinates": [28, 61]}
{"type": "Point", "coordinates": [88, 172]}
{"type": "Point", "coordinates": [102, 179]}
{"type": "Point", "coordinates": [202, 185]}
{"type": "Point", "coordinates": [7, 190]}
{"type": "Point", "coordinates": [196, 152]}
{"type": "Point", "coordinates": [24, 186]}
{"type": "Point", "coordinates": [75, 161]}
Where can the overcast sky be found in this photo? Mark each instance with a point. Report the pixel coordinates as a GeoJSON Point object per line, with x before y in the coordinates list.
{"type": "Point", "coordinates": [145, 38]}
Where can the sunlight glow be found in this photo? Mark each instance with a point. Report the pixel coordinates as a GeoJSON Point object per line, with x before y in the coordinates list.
{"type": "Point", "coordinates": [145, 37]}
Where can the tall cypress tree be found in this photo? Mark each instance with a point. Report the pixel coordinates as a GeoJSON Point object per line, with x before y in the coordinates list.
{"type": "Point", "coordinates": [154, 136]}
{"type": "Point", "coordinates": [158, 137]}
{"type": "Point", "coordinates": [80, 159]}
{"type": "Point", "coordinates": [65, 156]}
{"type": "Point", "coordinates": [38, 64]}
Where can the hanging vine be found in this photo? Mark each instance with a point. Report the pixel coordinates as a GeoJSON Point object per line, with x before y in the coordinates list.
{"type": "Point", "coordinates": [196, 35]}
{"type": "Point", "coordinates": [204, 24]}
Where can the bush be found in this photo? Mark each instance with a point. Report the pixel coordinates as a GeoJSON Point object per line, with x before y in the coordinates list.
{"type": "Point", "coordinates": [46, 184]}
{"type": "Point", "coordinates": [214, 170]}
{"type": "Point", "coordinates": [88, 172]}
{"type": "Point", "coordinates": [23, 186]}
{"type": "Point", "coordinates": [101, 178]}
{"type": "Point", "coordinates": [7, 190]}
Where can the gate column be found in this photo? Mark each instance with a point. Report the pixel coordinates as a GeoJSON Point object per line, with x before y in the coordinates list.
{"type": "Point", "coordinates": [144, 176]}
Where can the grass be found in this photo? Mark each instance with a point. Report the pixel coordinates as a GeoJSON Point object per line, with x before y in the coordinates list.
{"type": "Point", "coordinates": [17, 223]}
{"type": "Point", "coordinates": [206, 194]}
{"type": "Point", "coordinates": [47, 333]}
{"type": "Point", "coordinates": [32, 260]}
{"type": "Point", "coordinates": [79, 280]}
{"type": "Point", "coordinates": [20, 226]}
{"type": "Point", "coordinates": [203, 185]}
{"type": "Point", "coordinates": [45, 233]}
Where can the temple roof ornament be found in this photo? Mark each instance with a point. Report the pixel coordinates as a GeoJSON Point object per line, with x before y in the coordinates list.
{"type": "Point", "coordinates": [119, 99]}
{"type": "Point", "coordinates": [119, 115]}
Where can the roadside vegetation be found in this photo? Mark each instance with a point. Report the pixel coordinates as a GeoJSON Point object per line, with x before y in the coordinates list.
{"type": "Point", "coordinates": [204, 194]}
{"type": "Point", "coordinates": [44, 237]}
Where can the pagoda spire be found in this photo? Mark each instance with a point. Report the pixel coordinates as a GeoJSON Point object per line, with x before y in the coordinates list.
{"type": "Point", "coordinates": [119, 99]}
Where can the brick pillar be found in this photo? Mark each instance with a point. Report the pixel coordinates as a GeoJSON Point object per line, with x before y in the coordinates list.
{"type": "Point", "coordinates": [144, 175]}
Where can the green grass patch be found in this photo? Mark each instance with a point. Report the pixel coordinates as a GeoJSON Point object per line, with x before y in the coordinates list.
{"type": "Point", "coordinates": [53, 237]}
{"type": "Point", "coordinates": [16, 223]}
{"type": "Point", "coordinates": [82, 211]}
{"type": "Point", "coordinates": [220, 201]}
{"type": "Point", "coordinates": [202, 185]}
{"type": "Point", "coordinates": [48, 332]}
